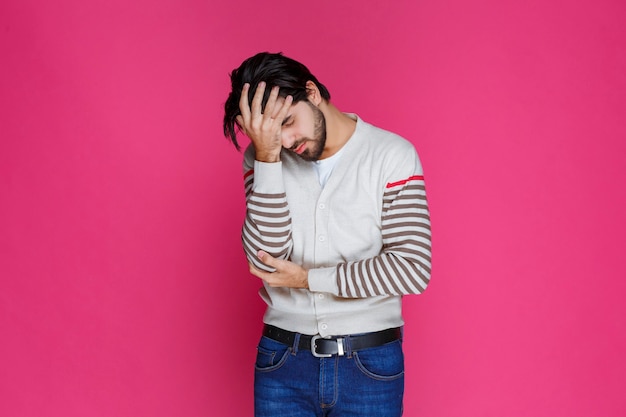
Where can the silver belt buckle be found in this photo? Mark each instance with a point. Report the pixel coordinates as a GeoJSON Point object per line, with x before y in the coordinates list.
{"type": "Point", "coordinates": [314, 346]}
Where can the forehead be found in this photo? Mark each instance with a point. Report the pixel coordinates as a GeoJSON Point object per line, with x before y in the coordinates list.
{"type": "Point", "coordinates": [297, 109]}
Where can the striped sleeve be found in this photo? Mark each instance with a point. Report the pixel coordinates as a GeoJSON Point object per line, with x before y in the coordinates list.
{"type": "Point", "coordinates": [404, 264]}
{"type": "Point", "coordinates": [267, 224]}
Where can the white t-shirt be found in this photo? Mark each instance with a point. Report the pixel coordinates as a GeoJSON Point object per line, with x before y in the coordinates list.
{"type": "Point", "coordinates": [324, 167]}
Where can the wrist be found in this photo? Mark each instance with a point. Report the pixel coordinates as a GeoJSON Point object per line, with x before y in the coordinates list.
{"type": "Point", "coordinates": [305, 279]}
{"type": "Point", "coordinates": [268, 157]}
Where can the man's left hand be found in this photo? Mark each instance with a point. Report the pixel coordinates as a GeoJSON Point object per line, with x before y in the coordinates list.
{"type": "Point", "coordinates": [287, 274]}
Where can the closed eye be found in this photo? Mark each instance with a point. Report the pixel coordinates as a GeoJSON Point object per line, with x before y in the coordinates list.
{"type": "Point", "coordinates": [288, 121]}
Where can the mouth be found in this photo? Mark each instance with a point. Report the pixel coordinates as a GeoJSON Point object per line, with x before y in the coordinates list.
{"type": "Point", "coordinates": [300, 148]}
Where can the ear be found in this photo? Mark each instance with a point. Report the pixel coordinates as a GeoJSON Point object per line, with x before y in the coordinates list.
{"type": "Point", "coordinates": [313, 93]}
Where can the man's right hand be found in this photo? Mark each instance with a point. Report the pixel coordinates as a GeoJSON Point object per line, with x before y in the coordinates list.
{"type": "Point", "coordinates": [264, 128]}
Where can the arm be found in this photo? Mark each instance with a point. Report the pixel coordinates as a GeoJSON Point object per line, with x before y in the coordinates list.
{"type": "Point", "coordinates": [404, 263]}
{"type": "Point", "coordinates": [267, 225]}
{"type": "Point", "coordinates": [403, 266]}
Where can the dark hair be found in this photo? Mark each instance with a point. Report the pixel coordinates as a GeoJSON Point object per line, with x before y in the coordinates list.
{"type": "Point", "coordinates": [276, 70]}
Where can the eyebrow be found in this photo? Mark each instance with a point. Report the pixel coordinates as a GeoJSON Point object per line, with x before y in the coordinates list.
{"type": "Point", "coordinates": [287, 119]}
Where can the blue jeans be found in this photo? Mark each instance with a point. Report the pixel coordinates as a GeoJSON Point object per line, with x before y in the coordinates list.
{"type": "Point", "coordinates": [294, 383]}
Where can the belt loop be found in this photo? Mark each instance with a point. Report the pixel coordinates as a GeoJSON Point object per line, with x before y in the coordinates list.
{"type": "Point", "coordinates": [296, 344]}
{"type": "Point", "coordinates": [347, 346]}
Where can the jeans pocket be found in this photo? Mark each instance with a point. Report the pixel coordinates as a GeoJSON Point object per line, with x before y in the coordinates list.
{"type": "Point", "coordinates": [381, 363]}
{"type": "Point", "coordinates": [271, 355]}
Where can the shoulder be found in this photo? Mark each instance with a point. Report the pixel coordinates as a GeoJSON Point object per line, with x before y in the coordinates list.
{"type": "Point", "coordinates": [389, 151]}
{"type": "Point", "coordinates": [384, 142]}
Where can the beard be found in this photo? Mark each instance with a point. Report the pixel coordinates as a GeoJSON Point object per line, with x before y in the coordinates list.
{"type": "Point", "coordinates": [317, 143]}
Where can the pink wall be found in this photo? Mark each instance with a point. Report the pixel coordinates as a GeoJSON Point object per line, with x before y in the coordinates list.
{"type": "Point", "coordinates": [123, 288]}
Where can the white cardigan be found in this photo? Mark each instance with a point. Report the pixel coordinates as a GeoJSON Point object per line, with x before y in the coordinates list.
{"type": "Point", "coordinates": [365, 237]}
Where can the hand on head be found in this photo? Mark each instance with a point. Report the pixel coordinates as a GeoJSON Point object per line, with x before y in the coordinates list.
{"type": "Point", "coordinates": [263, 126]}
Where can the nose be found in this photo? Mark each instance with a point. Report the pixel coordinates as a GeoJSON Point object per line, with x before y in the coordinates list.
{"type": "Point", "coordinates": [288, 139]}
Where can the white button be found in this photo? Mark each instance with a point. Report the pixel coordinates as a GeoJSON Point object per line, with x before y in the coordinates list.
{"type": "Point", "coordinates": [322, 238]}
{"type": "Point", "coordinates": [324, 326]}
{"type": "Point", "coordinates": [320, 296]}
{"type": "Point", "coordinates": [322, 206]}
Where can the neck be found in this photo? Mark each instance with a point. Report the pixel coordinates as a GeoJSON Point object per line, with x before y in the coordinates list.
{"type": "Point", "coordinates": [339, 129]}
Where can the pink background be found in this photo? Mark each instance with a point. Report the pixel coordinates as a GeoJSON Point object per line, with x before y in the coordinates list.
{"type": "Point", "coordinates": [123, 287]}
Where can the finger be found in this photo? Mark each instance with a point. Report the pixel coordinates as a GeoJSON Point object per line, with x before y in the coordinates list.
{"type": "Point", "coordinates": [266, 258]}
{"type": "Point", "coordinates": [264, 275]}
{"type": "Point", "coordinates": [239, 120]}
{"type": "Point", "coordinates": [271, 103]}
{"type": "Point", "coordinates": [279, 105]}
{"type": "Point", "coordinates": [244, 106]}
{"type": "Point", "coordinates": [284, 109]}
{"type": "Point", "coordinates": [253, 269]}
{"type": "Point", "coordinates": [258, 99]}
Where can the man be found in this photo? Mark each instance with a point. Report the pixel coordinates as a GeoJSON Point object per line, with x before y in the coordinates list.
{"type": "Point", "coordinates": [337, 227]}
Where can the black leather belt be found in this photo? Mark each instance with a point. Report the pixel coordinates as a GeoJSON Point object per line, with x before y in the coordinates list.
{"type": "Point", "coordinates": [336, 345]}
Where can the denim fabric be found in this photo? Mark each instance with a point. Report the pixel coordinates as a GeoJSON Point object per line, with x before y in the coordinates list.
{"type": "Point", "coordinates": [294, 383]}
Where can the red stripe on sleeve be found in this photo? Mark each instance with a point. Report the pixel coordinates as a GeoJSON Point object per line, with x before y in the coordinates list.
{"type": "Point", "coordinates": [247, 174]}
{"type": "Point", "coordinates": [411, 178]}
